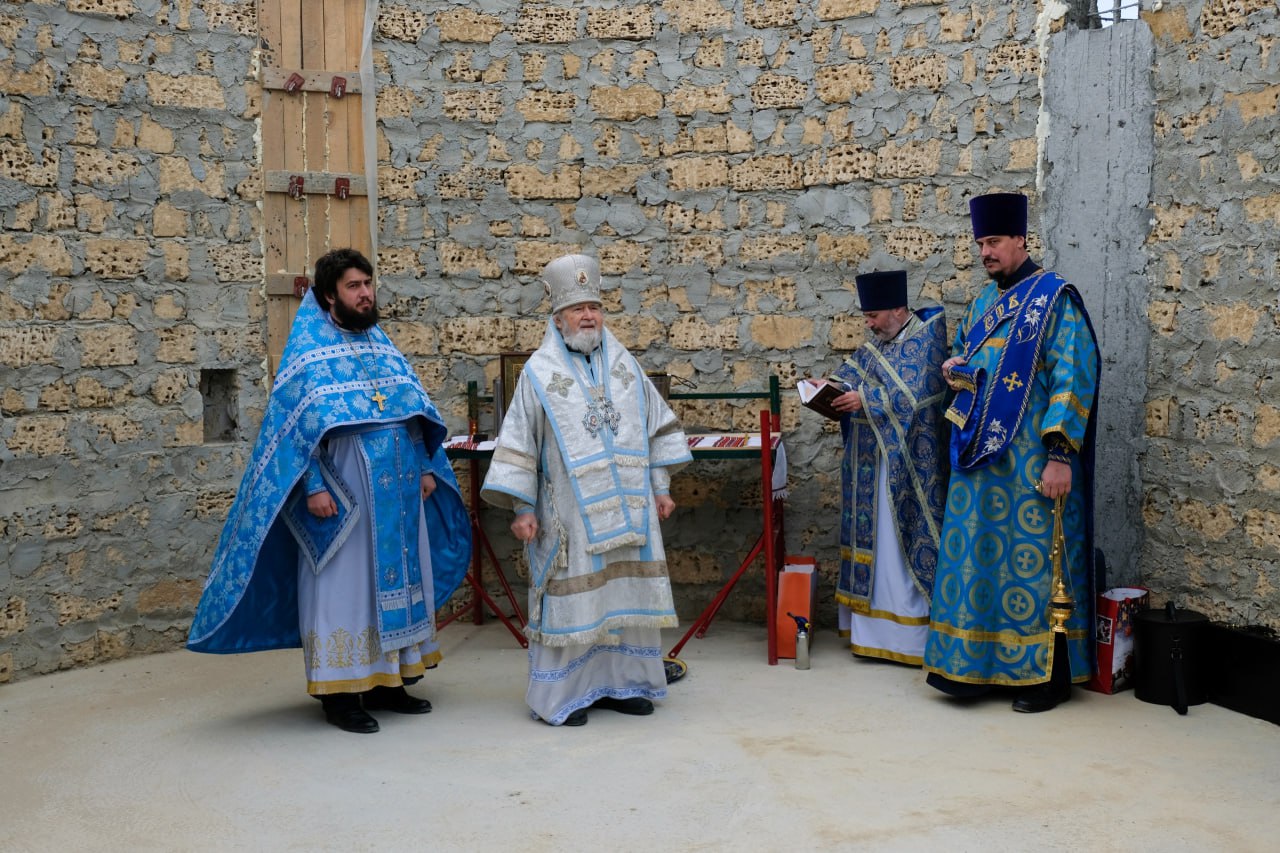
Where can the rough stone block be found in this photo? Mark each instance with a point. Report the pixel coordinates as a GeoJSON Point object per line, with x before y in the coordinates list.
{"type": "Point", "coordinates": [1015, 58]}
{"type": "Point", "coordinates": [1023, 154]}
{"type": "Point", "coordinates": [193, 91]}
{"type": "Point", "coordinates": [240, 17]}
{"type": "Point", "coordinates": [782, 333]}
{"type": "Point", "coordinates": [702, 250]}
{"type": "Point", "coordinates": [1219, 17]}
{"type": "Point", "coordinates": [177, 261]}
{"type": "Point", "coordinates": [401, 23]}
{"type": "Point", "coordinates": [532, 256]}
{"type": "Point", "coordinates": [38, 436]}
{"type": "Point", "coordinates": [92, 81]}
{"type": "Point", "coordinates": [839, 164]}
{"type": "Point", "coordinates": [695, 333]}
{"type": "Point", "coordinates": [176, 176]}
{"type": "Point", "coordinates": [779, 91]}
{"type": "Point", "coordinates": [464, 25]}
{"type": "Point", "coordinates": [839, 84]}
{"type": "Point", "coordinates": [913, 244]}
{"type": "Point", "coordinates": [688, 99]}
{"type": "Point", "coordinates": [118, 9]}
{"type": "Point", "coordinates": [769, 247]}
{"type": "Point", "coordinates": [1170, 221]}
{"type": "Point", "coordinates": [27, 345]}
{"type": "Point", "coordinates": [625, 22]}
{"type": "Point", "coordinates": [833, 10]}
{"type": "Point", "coordinates": [470, 182]}
{"type": "Point", "coordinates": [625, 104]}
{"type": "Point", "coordinates": [117, 429]}
{"type": "Point", "coordinates": [1212, 522]}
{"type": "Point", "coordinates": [766, 173]}
{"type": "Point", "coordinates": [115, 259]}
{"type": "Point", "coordinates": [398, 184]}
{"type": "Point", "coordinates": [1263, 528]}
{"type": "Point", "coordinates": [547, 24]}
{"type": "Point", "coordinates": [15, 617]}
{"type": "Point", "coordinates": [1262, 208]}
{"type": "Point", "coordinates": [168, 221]}
{"type": "Point", "coordinates": [92, 394]}
{"type": "Point", "coordinates": [848, 332]}
{"type": "Point", "coordinates": [1163, 316]}
{"type": "Point", "coordinates": [396, 102]}
{"type": "Point", "coordinates": [1266, 425]}
{"type": "Point", "coordinates": [542, 105]}
{"type": "Point", "coordinates": [176, 345]}
{"type": "Point", "coordinates": [468, 105]}
{"type": "Point", "coordinates": [700, 16]}
{"type": "Point", "coordinates": [18, 163]}
{"type": "Point", "coordinates": [457, 259]}
{"type": "Point", "coordinates": [699, 173]}
{"type": "Point", "coordinates": [843, 248]}
{"type": "Point", "coordinates": [169, 596]}
{"type": "Point", "coordinates": [955, 26]}
{"type": "Point", "coordinates": [237, 262]}
{"type": "Point", "coordinates": [170, 386]}
{"type": "Point", "coordinates": [33, 82]}
{"type": "Point", "coordinates": [911, 159]}
{"type": "Point", "coordinates": [619, 180]}
{"type": "Point", "coordinates": [1233, 322]}
{"type": "Point", "coordinates": [477, 335]}
{"type": "Point", "coordinates": [918, 72]}
{"type": "Point", "coordinates": [529, 182]}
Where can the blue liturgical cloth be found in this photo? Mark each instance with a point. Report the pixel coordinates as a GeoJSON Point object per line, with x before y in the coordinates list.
{"type": "Point", "coordinates": [328, 381]}
{"type": "Point", "coordinates": [1032, 380]}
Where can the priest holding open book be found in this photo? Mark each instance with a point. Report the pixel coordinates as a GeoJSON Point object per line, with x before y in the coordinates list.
{"type": "Point", "coordinates": [889, 396]}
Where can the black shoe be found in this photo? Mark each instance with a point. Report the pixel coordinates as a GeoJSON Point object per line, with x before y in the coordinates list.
{"type": "Point", "coordinates": [343, 710]}
{"type": "Point", "coordinates": [635, 706]}
{"type": "Point", "coordinates": [395, 699]}
{"type": "Point", "coordinates": [577, 718]}
{"type": "Point", "coordinates": [958, 689]}
{"type": "Point", "coordinates": [1044, 697]}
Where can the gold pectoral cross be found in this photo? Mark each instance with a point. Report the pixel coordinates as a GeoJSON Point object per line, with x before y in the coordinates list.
{"type": "Point", "coordinates": [379, 398]}
{"type": "Point", "coordinates": [1012, 381]}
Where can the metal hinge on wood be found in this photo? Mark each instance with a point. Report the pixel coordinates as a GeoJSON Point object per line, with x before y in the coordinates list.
{"type": "Point", "coordinates": [342, 188]}
{"type": "Point", "coordinates": [338, 86]}
{"type": "Point", "coordinates": [294, 83]}
{"type": "Point", "coordinates": [300, 285]}
{"type": "Point", "coordinates": [296, 186]}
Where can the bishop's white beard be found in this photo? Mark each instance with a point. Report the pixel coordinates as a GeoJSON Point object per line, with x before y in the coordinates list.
{"type": "Point", "coordinates": [583, 340]}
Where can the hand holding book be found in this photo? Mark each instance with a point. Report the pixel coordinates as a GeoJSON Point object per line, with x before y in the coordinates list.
{"type": "Point", "coordinates": [821, 395]}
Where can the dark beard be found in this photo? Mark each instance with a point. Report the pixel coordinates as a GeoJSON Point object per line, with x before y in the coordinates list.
{"type": "Point", "coordinates": [355, 321]}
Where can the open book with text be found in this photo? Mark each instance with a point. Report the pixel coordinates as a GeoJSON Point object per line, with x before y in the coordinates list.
{"type": "Point", "coordinates": [818, 394]}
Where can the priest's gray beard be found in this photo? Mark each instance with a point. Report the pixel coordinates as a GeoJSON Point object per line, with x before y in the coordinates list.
{"type": "Point", "coordinates": [584, 340]}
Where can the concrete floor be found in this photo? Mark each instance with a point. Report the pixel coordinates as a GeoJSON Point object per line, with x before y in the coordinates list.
{"type": "Point", "coordinates": [192, 752]}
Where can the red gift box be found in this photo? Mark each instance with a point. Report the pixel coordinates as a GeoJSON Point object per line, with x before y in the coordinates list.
{"type": "Point", "coordinates": [1114, 637]}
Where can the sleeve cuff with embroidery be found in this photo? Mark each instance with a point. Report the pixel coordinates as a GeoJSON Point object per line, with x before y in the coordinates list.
{"type": "Point", "coordinates": [312, 481]}
{"type": "Point", "coordinates": [1058, 447]}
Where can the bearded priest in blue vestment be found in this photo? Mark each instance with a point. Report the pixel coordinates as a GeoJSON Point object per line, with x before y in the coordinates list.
{"type": "Point", "coordinates": [348, 530]}
{"type": "Point", "coordinates": [1025, 370]}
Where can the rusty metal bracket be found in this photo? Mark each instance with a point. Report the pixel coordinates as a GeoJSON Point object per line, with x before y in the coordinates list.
{"type": "Point", "coordinates": [342, 188]}
{"type": "Point", "coordinates": [294, 83]}
{"type": "Point", "coordinates": [296, 190]}
{"type": "Point", "coordinates": [338, 86]}
{"type": "Point", "coordinates": [300, 285]}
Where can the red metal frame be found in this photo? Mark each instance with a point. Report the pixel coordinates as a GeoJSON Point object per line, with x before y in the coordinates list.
{"type": "Point", "coordinates": [475, 576]}
{"type": "Point", "coordinates": [770, 542]}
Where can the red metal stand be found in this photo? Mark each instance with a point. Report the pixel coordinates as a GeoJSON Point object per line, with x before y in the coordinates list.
{"type": "Point", "coordinates": [770, 543]}
{"type": "Point", "coordinates": [475, 576]}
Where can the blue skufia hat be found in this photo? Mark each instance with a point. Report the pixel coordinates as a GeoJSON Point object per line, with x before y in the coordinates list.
{"type": "Point", "coordinates": [998, 213]}
{"type": "Point", "coordinates": [880, 291]}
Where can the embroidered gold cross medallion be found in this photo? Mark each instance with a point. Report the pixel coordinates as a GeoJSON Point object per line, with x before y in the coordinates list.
{"type": "Point", "coordinates": [1012, 381]}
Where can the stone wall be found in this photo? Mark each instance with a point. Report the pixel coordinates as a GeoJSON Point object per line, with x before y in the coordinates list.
{"type": "Point", "coordinates": [129, 253]}
{"type": "Point", "coordinates": [732, 162]}
{"type": "Point", "coordinates": [1212, 465]}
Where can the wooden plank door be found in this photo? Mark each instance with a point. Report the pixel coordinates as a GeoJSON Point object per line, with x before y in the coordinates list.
{"type": "Point", "coordinates": [312, 148]}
